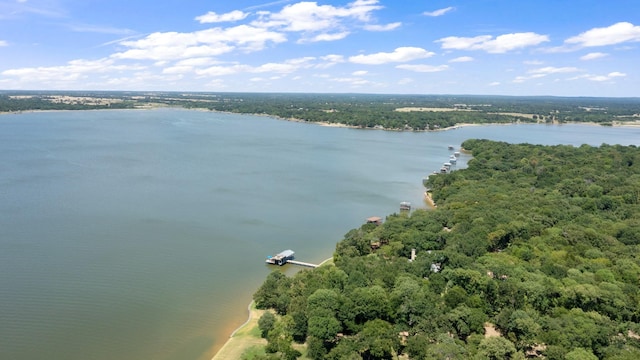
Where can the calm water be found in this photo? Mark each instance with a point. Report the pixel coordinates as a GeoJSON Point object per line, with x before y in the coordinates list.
{"type": "Point", "coordinates": [142, 234]}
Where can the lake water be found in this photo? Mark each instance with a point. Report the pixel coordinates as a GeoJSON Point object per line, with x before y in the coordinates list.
{"type": "Point", "coordinates": [143, 234]}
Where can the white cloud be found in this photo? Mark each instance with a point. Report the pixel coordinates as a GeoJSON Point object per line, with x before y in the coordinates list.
{"type": "Point", "coordinates": [187, 65]}
{"type": "Point", "coordinates": [593, 56]}
{"type": "Point", "coordinates": [360, 73]}
{"type": "Point", "coordinates": [85, 28]}
{"type": "Point", "coordinates": [533, 62]}
{"type": "Point", "coordinates": [330, 60]}
{"type": "Point", "coordinates": [401, 54]}
{"type": "Point", "coordinates": [74, 70]}
{"type": "Point", "coordinates": [325, 37]}
{"type": "Point", "coordinates": [488, 43]}
{"type": "Point", "coordinates": [3, 43]}
{"type": "Point", "coordinates": [285, 67]}
{"type": "Point", "coordinates": [212, 17]}
{"type": "Point", "coordinates": [600, 78]}
{"type": "Point", "coordinates": [615, 34]}
{"type": "Point", "coordinates": [461, 59]}
{"type": "Point", "coordinates": [495, 83]}
{"type": "Point", "coordinates": [438, 12]}
{"type": "Point", "coordinates": [553, 70]}
{"type": "Point", "coordinates": [542, 72]}
{"type": "Point", "coordinates": [308, 16]}
{"type": "Point", "coordinates": [218, 70]}
{"type": "Point", "coordinates": [387, 27]}
{"type": "Point", "coordinates": [355, 82]}
{"type": "Point", "coordinates": [405, 81]}
{"type": "Point", "coordinates": [210, 42]}
{"type": "Point", "coordinates": [423, 68]}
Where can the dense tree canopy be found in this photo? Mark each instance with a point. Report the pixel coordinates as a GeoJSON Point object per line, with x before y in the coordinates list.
{"type": "Point", "coordinates": [539, 243]}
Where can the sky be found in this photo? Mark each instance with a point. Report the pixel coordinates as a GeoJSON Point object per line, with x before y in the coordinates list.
{"type": "Point", "coordinates": [484, 47]}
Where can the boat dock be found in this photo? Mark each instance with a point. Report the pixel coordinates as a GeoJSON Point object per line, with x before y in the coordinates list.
{"type": "Point", "coordinates": [301, 263]}
{"type": "Point", "coordinates": [286, 257]}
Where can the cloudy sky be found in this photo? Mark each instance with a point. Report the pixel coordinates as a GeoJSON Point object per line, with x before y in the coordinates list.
{"type": "Point", "coordinates": [507, 47]}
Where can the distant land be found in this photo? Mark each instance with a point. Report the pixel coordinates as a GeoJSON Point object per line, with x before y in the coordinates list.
{"type": "Point", "coordinates": [388, 112]}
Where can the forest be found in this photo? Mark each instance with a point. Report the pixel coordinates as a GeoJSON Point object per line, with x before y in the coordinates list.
{"type": "Point", "coordinates": [356, 110]}
{"type": "Point", "coordinates": [531, 252]}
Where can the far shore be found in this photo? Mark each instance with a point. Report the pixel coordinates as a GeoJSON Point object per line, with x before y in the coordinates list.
{"type": "Point", "coordinates": [634, 123]}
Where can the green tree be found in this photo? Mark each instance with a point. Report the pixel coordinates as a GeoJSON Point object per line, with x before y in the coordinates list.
{"type": "Point", "coordinates": [266, 323]}
{"type": "Point", "coordinates": [497, 348]}
{"type": "Point", "coordinates": [580, 354]}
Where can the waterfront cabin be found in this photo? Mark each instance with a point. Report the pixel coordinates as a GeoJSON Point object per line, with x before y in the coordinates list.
{"type": "Point", "coordinates": [374, 220]}
{"type": "Point", "coordinates": [281, 258]}
{"type": "Point", "coordinates": [405, 206]}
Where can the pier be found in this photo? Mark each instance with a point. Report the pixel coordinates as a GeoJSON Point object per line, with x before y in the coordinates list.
{"type": "Point", "coordinates": [301, 263]}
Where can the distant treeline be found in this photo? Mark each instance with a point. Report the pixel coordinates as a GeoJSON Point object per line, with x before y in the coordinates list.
{"type": "Point", "coordinates": [532, 251]}
{"type": "Point", "coordinates": [358, 110]}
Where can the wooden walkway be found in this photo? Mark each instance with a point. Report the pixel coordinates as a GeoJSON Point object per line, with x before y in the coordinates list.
{"type": "Point", "coordinates": [301, 263]}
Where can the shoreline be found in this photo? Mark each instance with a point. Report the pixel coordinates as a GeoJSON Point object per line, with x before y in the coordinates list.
{"type": "Point", "coordinates": [429, 200]}
{"type": "Point", "coordinates": [240, 339]}
{"type": "Point", "coordinates": [633, 123]}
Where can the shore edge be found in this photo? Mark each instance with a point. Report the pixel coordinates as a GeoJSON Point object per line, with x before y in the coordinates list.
{"type": "Point", "coordinates": [236, 344]}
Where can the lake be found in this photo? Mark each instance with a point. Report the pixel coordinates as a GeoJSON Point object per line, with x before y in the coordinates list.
{"type": "Point", "coordinates": [142, 234]}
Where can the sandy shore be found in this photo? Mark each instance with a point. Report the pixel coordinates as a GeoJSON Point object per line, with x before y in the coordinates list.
{"type": "Point", "coordinates": [243, 337]}
{"type": "Point", "coordinates": [247, 335]}
{"type": "Point", "coordinates": [429, 200]}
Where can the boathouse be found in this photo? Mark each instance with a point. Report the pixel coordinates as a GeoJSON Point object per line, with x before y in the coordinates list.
{"type": "Point", "coordinates": [281, 258]}
{"type": "Point", "coordinates": [374, 220]}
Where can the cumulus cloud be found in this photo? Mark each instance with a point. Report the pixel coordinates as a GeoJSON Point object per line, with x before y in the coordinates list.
{"type": "Point", "coordinates": [600, 78]}
{"type": "Point", "coordinates": [212, 17]}
{"type": "Point", "coordinates": [401, 54]}
{"type": "Point", "coordinates": [544, 71]}
{"type": "Point", "coordinates": [360, 73]}
{"type": "Point", "coordinates": [310, 18]}
{"type": "Point", "coordinates": [461, 59]}
{"type": "Point", "coordinates": [210, 42]}
{"type": "Point", "coordinates": [593, 56]}
{"type": "Point", "coordinates": [355, 82]}
{"type": "Point", "coordinates": [488, 43]}
{"type": "Point", "coordinates": [72, 71]}
{"type": "Point", "coordinates": [330, 60]}
{"type": "Point", "coordinates": [325, 37]}
{"type": "Point", "coordinates": [285, 67]}
{"type": "Point", "coordinates": [553, 70]}
{"type": "Point", "coordinates": [387, 27]}
{"type": "Point", "coordinates": [615, 34]}
{"type": "Point", "coordinates": [423, 68]}
{"type": "Point", "coordinates": [438, 12]}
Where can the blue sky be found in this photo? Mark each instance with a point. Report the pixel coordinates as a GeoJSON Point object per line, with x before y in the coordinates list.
{"type": "Point", "coordinates": [506, 47]}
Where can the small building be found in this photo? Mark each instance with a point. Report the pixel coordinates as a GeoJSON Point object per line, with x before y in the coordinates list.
{"type": "Point", "coordinates": [405, 206]}
{"type": "Point", "coordinates": [281, 258]}
{"type": "Point", "coordinates": [374, 220]}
